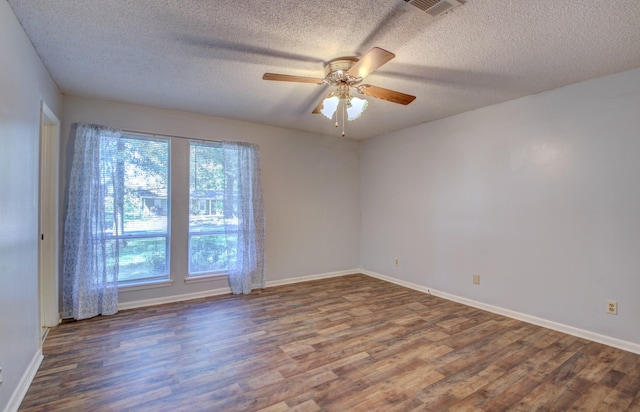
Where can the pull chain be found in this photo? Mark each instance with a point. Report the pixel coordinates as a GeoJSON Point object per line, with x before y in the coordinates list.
{"type": "Point", "coordinates": [344, 111]}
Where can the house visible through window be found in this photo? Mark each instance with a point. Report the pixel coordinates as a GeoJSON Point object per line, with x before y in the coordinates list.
{"type": "Point", "coordinates": [139, 223]}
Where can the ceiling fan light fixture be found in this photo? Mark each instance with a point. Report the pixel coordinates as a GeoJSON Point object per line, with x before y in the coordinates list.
{"type": "Point", "coordinates": [355, 107]}
{"type": "Point", "coordinates": [329, 106]}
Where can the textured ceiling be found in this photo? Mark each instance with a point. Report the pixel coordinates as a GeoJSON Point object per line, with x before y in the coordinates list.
{"type": "Point", "coordinates": [209, 56]}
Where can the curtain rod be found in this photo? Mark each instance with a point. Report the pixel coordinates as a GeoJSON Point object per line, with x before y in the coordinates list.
{"type": "Point", "coordinates": [195, 139]}
{"type": "Point", "coordinates": [136, 132]}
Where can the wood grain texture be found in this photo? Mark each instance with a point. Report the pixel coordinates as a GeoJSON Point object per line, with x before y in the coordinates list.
{"type": "Point", "coordinates": [351, 343]}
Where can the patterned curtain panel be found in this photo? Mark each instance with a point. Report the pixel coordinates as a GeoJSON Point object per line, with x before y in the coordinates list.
{"type": "Point", "coordinates": [90, 261]}
{"type": "Point", "coordinates": [244, 217]}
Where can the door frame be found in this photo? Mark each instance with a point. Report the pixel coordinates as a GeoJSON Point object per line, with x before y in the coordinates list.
{"type": "Point", "coordinates": [48, 227]}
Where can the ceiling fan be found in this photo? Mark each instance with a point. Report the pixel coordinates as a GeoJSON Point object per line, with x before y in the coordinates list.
{"type": "Point", "coordinates": [347, 74]}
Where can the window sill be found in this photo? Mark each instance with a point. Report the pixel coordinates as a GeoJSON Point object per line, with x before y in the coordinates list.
{"type": "Point", "coordinates": [205, 278]}
{"type": "Point", "coordinates": [145, 285]}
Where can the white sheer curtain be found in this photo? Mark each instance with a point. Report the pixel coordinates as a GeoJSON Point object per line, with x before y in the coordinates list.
{"type": "Point", "coordinates": [244, 220]}
{"type": "Point", "coordinates": [90, 261]}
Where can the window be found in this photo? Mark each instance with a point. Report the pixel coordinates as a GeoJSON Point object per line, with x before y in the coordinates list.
{"type": "Point", "coordinates": [138, 225]}
{"type": "Point", "coordinates": [209, 251]}
{"type": "Point", "coordinates": [116, 230]}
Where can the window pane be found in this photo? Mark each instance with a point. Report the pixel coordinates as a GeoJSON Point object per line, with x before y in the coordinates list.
{"type": "Point", "coordinates": [139, 208]}
{"type": "Point", "coordinates": [143, 258]}
{"type": "Point", "coordinates": [146, 172]}
{"type": "Point", "coordinates": [207, 253]}
{"type": "Point", "coordinates": [207, 242]}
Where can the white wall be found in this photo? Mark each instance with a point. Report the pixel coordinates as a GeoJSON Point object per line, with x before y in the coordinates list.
{"type": "Point", "coordinates": [539, 196]}
{"type": "Point", "coordinates": [24, 82]}
{"type": "Point", "coordinates": [310, 182]}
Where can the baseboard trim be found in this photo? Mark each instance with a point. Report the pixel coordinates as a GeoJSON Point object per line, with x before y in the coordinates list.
{"type": "Point", "coordinates": [173, 298]}
{"type": "Point", "coordinates": [570, 330]}
{"type": "Point", "coordinates": [311, 277]}
{"type": "Point", "coordinates": [227, 290]}
{"type": "Point", "coordinates": [25, 382]}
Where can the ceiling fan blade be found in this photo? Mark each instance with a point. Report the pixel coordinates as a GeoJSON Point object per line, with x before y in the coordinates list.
{"type": "Point", "coordinates": [288, 78]}
{"type": "Point", "coordinates": [386, 94]}
{"type": "Point", "coordinates": [374, 58]}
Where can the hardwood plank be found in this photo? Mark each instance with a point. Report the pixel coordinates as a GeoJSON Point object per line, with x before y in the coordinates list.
{"type": "Point", "coordinates": [345, 343]}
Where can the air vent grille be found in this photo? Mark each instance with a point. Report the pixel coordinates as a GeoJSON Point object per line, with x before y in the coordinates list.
{"type": "Point", "coordinates": [434, 8]}
{"type": "Point", "coordinates": [424, 4]}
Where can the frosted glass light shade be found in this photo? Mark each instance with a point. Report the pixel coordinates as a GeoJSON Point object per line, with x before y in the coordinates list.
{"type": "Point", "coordinates": [356, 107]}
{"type": "Point", "coordinates": [329, 106]}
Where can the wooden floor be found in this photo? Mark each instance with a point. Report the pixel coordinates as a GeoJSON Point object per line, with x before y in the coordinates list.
{"type": "Point", "coordinates": [342, 344]}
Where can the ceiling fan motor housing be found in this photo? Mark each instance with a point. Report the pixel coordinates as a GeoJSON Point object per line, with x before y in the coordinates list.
{"type": "Point", "coordinates": [336, 72]}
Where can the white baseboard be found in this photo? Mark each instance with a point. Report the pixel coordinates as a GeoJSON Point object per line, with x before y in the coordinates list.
{"type": "Point", "coordinates": [226, 290]}
{"type": "Point", "coordinates": [570, 330]}
{"type": "Point", "coordinates": [25, 382]}
{"type": "Point", "coordinates": [311, 277]}
{"type": "Point", "coordinates": [173, 298]}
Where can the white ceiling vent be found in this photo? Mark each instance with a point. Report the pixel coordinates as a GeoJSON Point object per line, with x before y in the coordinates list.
{"type": "Point", "coordinates": [434, 8]}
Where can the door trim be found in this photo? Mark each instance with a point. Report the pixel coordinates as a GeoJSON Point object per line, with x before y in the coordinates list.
{"type": "Point", "coordinates": [48, 236]}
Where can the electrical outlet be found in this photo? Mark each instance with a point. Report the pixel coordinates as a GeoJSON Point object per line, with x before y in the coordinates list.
{"type": "Point", "coordinates": [476, 279]}
{"type": "Point", "coordinates": [397, 262]}
{"type": "Point", "coordinates": [612, 307]}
